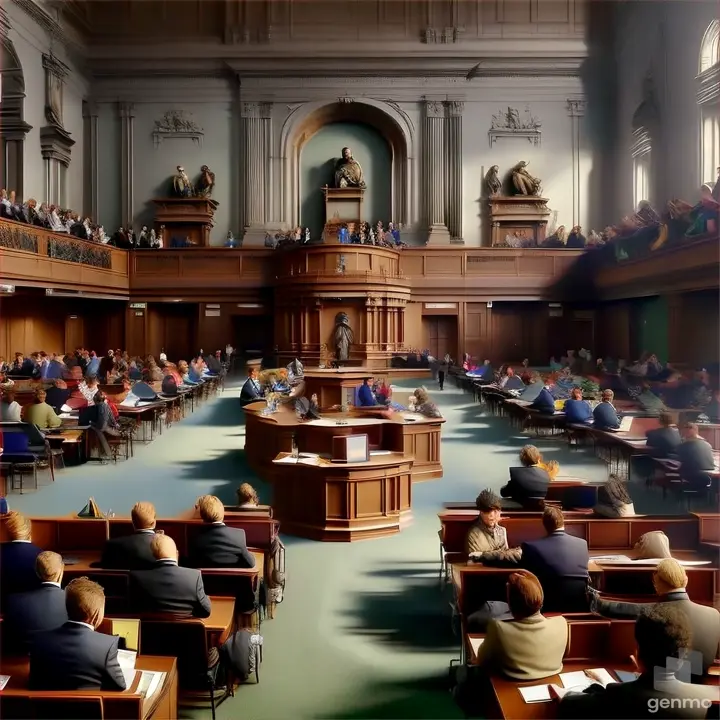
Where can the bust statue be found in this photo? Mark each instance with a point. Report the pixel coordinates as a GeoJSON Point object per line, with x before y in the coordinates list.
{"type": "Point", "coordinates": [181, 183]}
{"type": "Point", "coordinates": [348, 172]}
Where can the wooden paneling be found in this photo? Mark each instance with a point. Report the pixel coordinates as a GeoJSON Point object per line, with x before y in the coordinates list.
{"type": "Point", "coordinates": [440, 335]}
{"type": "Point", "coordinates": [33, 266]}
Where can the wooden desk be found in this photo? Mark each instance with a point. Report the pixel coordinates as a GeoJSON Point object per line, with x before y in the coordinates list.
{"type": "Point", "coordinates": [344, 501]}
{"type": "Point", "coordinates": [17, 700]}
{"type": "Point", "coordinates": [221, 621]}
{"type": "Point", "coordinates": [268, 435]}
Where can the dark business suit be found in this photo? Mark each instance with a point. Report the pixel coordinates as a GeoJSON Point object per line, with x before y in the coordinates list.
{"type": "Point", "coordinates": [696, 459]}
{"type": "Point", "coordinates": [527, 484]}
{"type": "Point", "coordinates": [131, 552]}
{"type": "Point", "coordinates": [705, 620]}
{"type": "Point", "coordinates": [544, 403]}
{"type": "Point", "coordinates": [57, 397]}
{"type": "Point", "coordinates": [560, 562]}
{"type": "Point", "coordinates": [663, 441]}
{"type": "Point", "coordinates": [17, 567]}
{"type": "Point", "coordinates": [217, 545]}
{"type": "Point", "coordinates": [606, 417]}
{"type": "Point", "coordinates": [168, 588]}
{"type": "Point", "coordinates": [251, 392]}
{"type": "Point", "coordinates": [73, 657]}
{"type": "Point", "coordinates": [25, 614]}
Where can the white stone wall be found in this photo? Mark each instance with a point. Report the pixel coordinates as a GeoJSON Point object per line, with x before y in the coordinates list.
{"type": "Point", "coordinates": [31, 41]}
{"type": "Point", "coordinates": [661, 40]}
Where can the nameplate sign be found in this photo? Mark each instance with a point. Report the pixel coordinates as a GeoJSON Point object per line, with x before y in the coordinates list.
{"type": "Point", "coordinates": [441, 306]}
{"type": "Point", "coordinates": [138, 306]}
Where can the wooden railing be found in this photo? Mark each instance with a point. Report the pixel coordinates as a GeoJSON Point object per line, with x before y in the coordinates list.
{"type": "Point", "coordinates": [30, 255]}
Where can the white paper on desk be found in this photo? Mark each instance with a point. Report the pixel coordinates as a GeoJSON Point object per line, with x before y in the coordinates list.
{"type": "Point", "coordinates": [289, 460]}
{"type": "Point", "coordinates": [66, 409]}
{"type": "Point", "coordinates": [127, 658]}
{"type": "Point", "coordinates": [475, 643]}
{"type": "Point", "coordinates": [150, 681]}
{"type": "Point", "coordinates": [67, 416]}
{"type": "Point", "coordinates": [375, 453]}
{"type": "Point", "coordinates": [626, 423]}
{"type": "Point", "coordinates": [129, 675]}
{"type": "Point", "coordinates": [4, 680]}
{"type": "Point", "coordinates": [535, 693]}
{"type": "Point", "coordinates": [308, 460]}
{"type": "Point", "coordinates": [613, 559]}
{"type": "Point", "coordinates": [579, 679]}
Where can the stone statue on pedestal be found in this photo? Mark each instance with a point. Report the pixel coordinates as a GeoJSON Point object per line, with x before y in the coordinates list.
{"type": "Point", "coordinates": [182, 186]}
{"type": "Point", "coordinates": [343, 337]}
{"type": "Point", "coordinates": [348, 172]}
{"type": "Point", "coordinates": [524, 182]}
{"type": "Point", "coordinates": [492, 181]}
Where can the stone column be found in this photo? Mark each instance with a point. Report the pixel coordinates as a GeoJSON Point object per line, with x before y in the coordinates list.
{"type": "Point", "coordinates": [434, 172]}
{"type": "Point", "coordinates": [454, 170]}
{"type": "Point", "coordinates": [576, 111]}
{"type": "Point", "coordinates": [256, 128]}
{"type": "Point", "coordinates": [91, 170]}
{"type": "Point", "coordinates": [127, 163]}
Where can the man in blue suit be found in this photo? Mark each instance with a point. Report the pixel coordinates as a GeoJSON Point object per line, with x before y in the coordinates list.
{"type": "Point", "coordinates": [17, 556]}
{"type": "Point", "coordinates": [605, 414]}
{"type": "Point", "coordinates": [544, 403]}
{"type": "Point", "coordinates": [38, 610]}
{"type": "Point", "coordinates": [560, 562]}
{"type": "Point", "coordinates": [366, 397]}
{"type": "Point", "coordinates": [577, 410]}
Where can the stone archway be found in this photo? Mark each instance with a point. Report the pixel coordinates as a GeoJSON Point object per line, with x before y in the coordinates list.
{"type": "Point", "coordinates": [388, 120]}
{"type": "Point", "coordinates": [13, 127]}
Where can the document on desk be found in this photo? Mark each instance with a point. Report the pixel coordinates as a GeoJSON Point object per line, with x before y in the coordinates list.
{"type": "Point", "coordinates": [580, 679]}
{"type": "Point", "coordinates": [535, 693]}
{"type": "Point", "coordinates": [626, 423]}
{"type": "Point", "coordinates": [612, 559]}
{"type": "Point", "coordinates": [4, 680]}
{"type": "Point", "coordinates": [150, 682]}
{"type": "Point", "coordinates": [475, 643]}
{"type": "Point", "coordinates": [127, 658]}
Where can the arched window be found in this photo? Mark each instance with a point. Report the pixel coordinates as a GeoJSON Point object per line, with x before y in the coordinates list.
{"type": "Point", "coordinates": [709, 102]}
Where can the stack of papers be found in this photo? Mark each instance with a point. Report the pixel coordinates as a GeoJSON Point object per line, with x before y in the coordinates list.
{"type": "Point", "coordinates": [626, 423]}
{"type": "Point", "coordinates": [4, 679]}
{"type": "Point", "coordinates": [127, 658]}
{"type": "Point", "coordinates": [535, 693]}
{"type": "Point", "coordinates": [150, 682]}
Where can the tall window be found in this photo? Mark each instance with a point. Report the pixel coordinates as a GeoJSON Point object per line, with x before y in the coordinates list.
{"type": "Point", "coordinates": [641, 154]}
{"type": "Point", "coordinates": [709, 102]}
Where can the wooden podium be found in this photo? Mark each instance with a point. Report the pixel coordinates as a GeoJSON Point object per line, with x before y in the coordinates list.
{"type": "Point", "coordinates": [186, 220]}
{"type": "Point", "coordinates": [525, 214]}
{"type": "Point", "coordinates": [343, 206]}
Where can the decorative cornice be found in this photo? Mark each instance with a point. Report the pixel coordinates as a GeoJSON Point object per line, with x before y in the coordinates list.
{"type": "Point", "coordinates": [55, 145]}
{"type": "Point", "coordinates": [434, 108]}
{"type": "Point", "coordinates": [256, 110]}
{"type": "Point", "coordinates": [709, 85]}
{"type": "Point", "coordinates": [455, 108]}
{"type": "Point", "coordinates": [56, 67]}
{"type": "Point", "coordinates": [50, 25]}
{"type": "Point", "coordinates": [4, 23]}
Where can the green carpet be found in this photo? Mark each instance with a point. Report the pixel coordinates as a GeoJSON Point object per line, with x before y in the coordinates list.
{"type": "Point", "coordinates": [364, 631]}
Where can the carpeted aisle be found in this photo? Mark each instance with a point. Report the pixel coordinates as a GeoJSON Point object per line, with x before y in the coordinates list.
{"type": "Point", "coordinates": [364, 631]}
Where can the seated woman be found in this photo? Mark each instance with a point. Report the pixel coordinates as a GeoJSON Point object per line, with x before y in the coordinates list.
{"type": "Point", "coordinates": [551, 467]}
{"type": "Point", "coordinates": [529, 646]}
{"type": "Point", "coordinates": [605, 415]}
{"type": "Point", "coordinates": [529, 483]}
{"type": "Point", "coordinates": [577, 411]}
{"type": "Point", "coordinates": [247, 496]}
{"type": "Point", "coordinates": [424, 405]}
{"type": "Point", "coordinates": [533, 387]}
{"type": "Point", "coordinates": [10, 410]}
{"type": "Point", "coordinates": [40, 413]}
{"type": "Point", "coordinates": [614, 500]}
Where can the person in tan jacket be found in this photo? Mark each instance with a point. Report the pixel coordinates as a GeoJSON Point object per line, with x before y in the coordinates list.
{"type": "Point", "coordinates": [486, 540]}
{"type": "Point", "coordinates": [529, 646]}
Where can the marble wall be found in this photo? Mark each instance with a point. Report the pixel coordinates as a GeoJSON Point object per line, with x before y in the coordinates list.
{"type": "Point", "coordinates": [657, 46]}
{"type": "Point", "coordinates": [31, 41]}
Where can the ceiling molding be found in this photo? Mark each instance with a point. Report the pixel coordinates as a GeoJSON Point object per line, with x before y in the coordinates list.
{"type": "Point", "coordinates": [67, 37]}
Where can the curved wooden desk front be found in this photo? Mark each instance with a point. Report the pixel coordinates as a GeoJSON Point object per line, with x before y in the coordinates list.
{"type": "Point", "coordinates": [342, 501]}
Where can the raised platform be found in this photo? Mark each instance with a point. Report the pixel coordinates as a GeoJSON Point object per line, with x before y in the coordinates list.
{"type": "Point", "coordinates": [342, 501]}
{"type": "Point", "coordinates": [337, 386]}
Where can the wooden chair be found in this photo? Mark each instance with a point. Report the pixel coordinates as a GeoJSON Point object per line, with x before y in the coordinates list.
{"type": "Point", "coordinates": [198, 666]}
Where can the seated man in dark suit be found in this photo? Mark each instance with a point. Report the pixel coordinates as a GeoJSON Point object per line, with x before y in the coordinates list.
{"type": "Point", "coordinates": [544, 403]}
{"type": "Point", "coordinates": [663, 632]}
{"type": "Point", "coordinates": [36, 610]}
{"type": "Point", "coordinates": [133, 552]}
{"type": "Point", "coordinates": [166, 587]}
{"type": "Point", "coordinates": [670, 582]}
{"type": "Point", "coordinates": [74, 656]}
{"type": "Point", "coordinates": [251, 390]}
{"type": "Point", "coordinates": [529, 483]}
{"type": "Point", "coordinates": [18, 556]}
{"type": "Point", "coordinates": [696, 458]}
{"type": "Point", "coordinates": [560, 562]}
{"type": "Point", "coordinates": [664, 441]}
{"type": "Point", "coordinates": [217, 545]}
{"type": "Point", "coordinates": [57, 395]}
{"type": "Point", "coordinates": [605, 414]}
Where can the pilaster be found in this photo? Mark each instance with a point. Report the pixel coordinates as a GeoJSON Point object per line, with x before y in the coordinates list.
{"type": "Point", "coordinates": [576, 111]}
{"type": "Point", "coordinates": [256, 130]}
{"type": "Point", "coordinates": [127, 166]}
{"type": "Point", "coordinates": [91, 171]}
{"type": "Point", "coordinates": [434, 171]}
{"type": "Point", "coordinates": [454, 171]}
